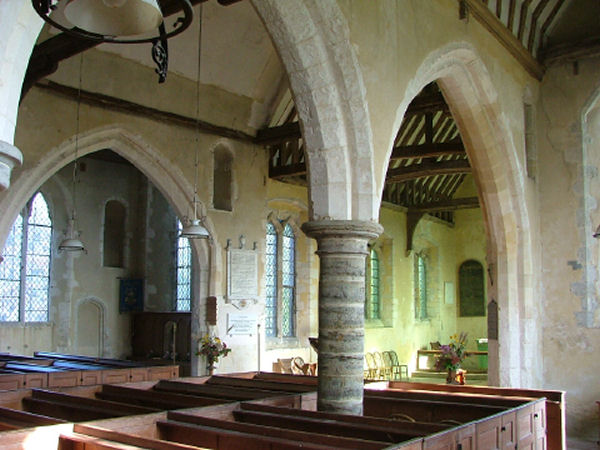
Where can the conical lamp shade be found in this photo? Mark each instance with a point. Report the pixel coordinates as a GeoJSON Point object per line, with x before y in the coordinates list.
{"type": "Point", "coordinates": [195, 231]}
{"type": "Point", "coordinates": [71, 243]}
{"type": "Point", "coordinates": [114, 17]}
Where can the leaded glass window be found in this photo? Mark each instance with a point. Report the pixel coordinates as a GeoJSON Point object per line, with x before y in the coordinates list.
{"type": "Point", "coordinates": [421, 288]}
{"type": "Point", "coordinates": [372, 303]}
{"type": "Point", "coordinates": [25, 271]}
{"type": "Point", "coordinates": [271, 281]}
{"type": "Point", "coordinates": [288, 281]}
{"type": "Point", "coordinates": [183, 272]}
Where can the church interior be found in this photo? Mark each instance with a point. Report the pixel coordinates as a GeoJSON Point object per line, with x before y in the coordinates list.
{"type": "Point", "coordinates": [382, 175]}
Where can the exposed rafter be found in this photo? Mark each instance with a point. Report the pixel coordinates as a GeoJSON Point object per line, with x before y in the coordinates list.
{"type": "Point", "coordinates": [428, 150]}
{"type": "Point", "coordinates": [447, 205]}
{"type": "Point", "coordinates": [427, 169]}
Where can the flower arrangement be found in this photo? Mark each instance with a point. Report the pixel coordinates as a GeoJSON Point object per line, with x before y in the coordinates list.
{"type": "Point", "coordinates": [453, 353]}
{"type": "Point", "coordinates": [212, 348]}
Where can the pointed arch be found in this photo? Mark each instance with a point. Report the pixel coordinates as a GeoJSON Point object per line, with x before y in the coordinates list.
{"type": "Point", "coordinates": [473, 101]}
{"type": "Point", "coordinates": [160, 171]}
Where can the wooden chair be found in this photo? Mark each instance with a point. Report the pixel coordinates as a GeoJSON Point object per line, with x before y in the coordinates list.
{"type": "Point", "coordinates": [372, 373]}
{"type": "Point", "coordinates": [382, 372]}
{"type": "Point", "coordinates": [399, 371]}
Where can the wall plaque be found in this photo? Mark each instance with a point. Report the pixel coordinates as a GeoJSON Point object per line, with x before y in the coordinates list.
{"type": "Point", "coordinates": [242, 274]}
{"type": "Point", "coordinates": [244, 324]}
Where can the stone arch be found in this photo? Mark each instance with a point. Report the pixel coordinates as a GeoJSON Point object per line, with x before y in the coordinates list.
{"type": "Point", "coordinates": [167, 178]}
{"type": "Point", "coordinates": [90, 308]}
{"type": "Point", "coordinates": [473, 101]}
{"type": "Point", "coordinates": [313, 42]}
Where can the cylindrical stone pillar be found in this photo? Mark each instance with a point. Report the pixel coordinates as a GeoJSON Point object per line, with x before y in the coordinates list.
{"type": "Point", "coordinates": [342, 250]}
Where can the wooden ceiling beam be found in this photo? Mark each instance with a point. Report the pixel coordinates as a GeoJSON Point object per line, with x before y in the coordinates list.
{"type": "Point", "coordinates": [506, 38]}
{"type": "Point", "coordinates": [428, 150]}
{"type": "Point", "coordinates": [124, 106]}
{"type": "Point", "coordinates": [453, 204]}
{"type": "Point", "coordinates": [292, 170]}
{"type": "Point", "coordinates": [277, 135]}
{"type": "Point", "coordinates": [427, 169]}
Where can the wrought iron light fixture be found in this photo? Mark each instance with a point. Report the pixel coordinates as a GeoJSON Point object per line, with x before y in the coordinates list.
{"type": "Point", "coordinates": [195, 229]}
{"type": "Point", "coordinates": [115, 22]}
{"type": "Point", "coordinates": [71, 242]}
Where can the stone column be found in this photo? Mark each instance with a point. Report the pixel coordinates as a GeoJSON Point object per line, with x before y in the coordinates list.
{"type": "Point", "coordinates": [10, 156]}
{"type": "Point", "coordinates": [342, 250]}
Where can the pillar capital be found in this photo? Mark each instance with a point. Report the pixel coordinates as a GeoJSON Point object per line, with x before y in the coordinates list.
{"type": "Point", "coordinates": [10, 156]}
{"type": "Point", "coordinates": [359, 229]}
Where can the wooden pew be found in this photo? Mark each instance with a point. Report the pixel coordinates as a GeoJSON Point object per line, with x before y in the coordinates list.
{"type": "Point", "coordinates": [421, 428]}
{"type": "Point", "coordinates": [13, 419]}
{"type": "Point", "coordinates": [308, 380]}
{"type": "Point", "coordinates": [273, 431]}
{"type": "Point", "coordinates": [334, 427]}
{"type": "Point", "coordinates": [77, 409]}
{"type": "Point", "coordinates": [259, 384]}
{"type": "Point", "coordinates": [552, 417]}
{"type": "Point", "coordinates": [86, 359]}
{"type": "Point", "coordinates": [89, 437]}
{"type": "Point", "coordinates": [154, 399]}
{"type": "Point", "coordinates": [217, 391]}
{"type": "Point", "coordinates": [428, 411]}
{"type": "Point", "coordinates": [217, 438]}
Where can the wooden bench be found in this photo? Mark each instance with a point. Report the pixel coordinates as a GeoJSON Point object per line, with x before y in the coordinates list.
{"type": "Point", "coordinates": [13, 419]}
{"type": "Point", "coordinates": [422, 428]}
{"type": "Point", "coordinates": [154, 399]}
{"type": "Point", "coordinates": [260, 384]}
{"type": "Point", "coordinates": [217, 391]}
{"type": "Point", "coordinates": [274, 431]}
{"type": "Point", "coordinates": [427, 410]}
{"type": "Point", "coordinates": [77, 409]}
{"type": "Point", "coordinates": [217, 438]}
{"type": "Point", "coordinates": [325, 426]}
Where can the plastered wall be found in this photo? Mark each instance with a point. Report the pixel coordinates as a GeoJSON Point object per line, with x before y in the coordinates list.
{"type": "Point", "coordinates": [568, 184]}
{"type": "Point", "coordinates": [446, 248]}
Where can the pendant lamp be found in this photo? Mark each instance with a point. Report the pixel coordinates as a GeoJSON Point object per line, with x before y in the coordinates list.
{"type": "Point", "coordinates": [118, 22]}
{"type": "Point", "coordinates": [71, 242]}
{"type": "Point", "coordinates": [195, 229]}
{"type": "Point", "coordinates": [114, 17]}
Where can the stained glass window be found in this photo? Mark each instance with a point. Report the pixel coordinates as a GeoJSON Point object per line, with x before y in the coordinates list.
{"type": "Point", "coordinates": [183, 275]}
{"type": "Point", "coordinates": [421, 288]}
{"type": "Point", "coordinates": [25, 271]}
{"type": "Point", "coordinates": [271, 281]}
{"type": "Point", "coordinates": [372, 304]}
{"type": "Point", "coordinates": [288, 281]}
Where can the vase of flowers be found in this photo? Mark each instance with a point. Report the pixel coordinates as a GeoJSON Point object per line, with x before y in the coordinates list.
{"type": "Point", "coordinates": [451, 356]}
{"type": "Point", "coordinates": [212, 348]}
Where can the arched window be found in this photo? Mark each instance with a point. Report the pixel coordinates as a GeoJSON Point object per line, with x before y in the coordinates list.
{"type": "Point", "coordinates": [271, 281]}
{"type": "Point", "coordinates": [280, 281]}
{"type": "Point", "coordinates": [222, 179]}
{"type": "Point", "coordinates": [114, 234]}
{"type": "Point", "coordinates": [183, 269]}
{"type": "Point", "coordinates": [288, 281]}
{"type": "Point", "coordinates": [471, 289]}
{"type": "Point", "coordinates": [421, 287]}
{"type": "Point", "coordinates": [25, 271]}
{"type": "Point", "coordinates": [372, 301]}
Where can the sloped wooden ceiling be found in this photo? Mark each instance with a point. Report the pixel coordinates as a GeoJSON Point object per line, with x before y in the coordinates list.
{"type": "Point", "coordinates": [427, 165]}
